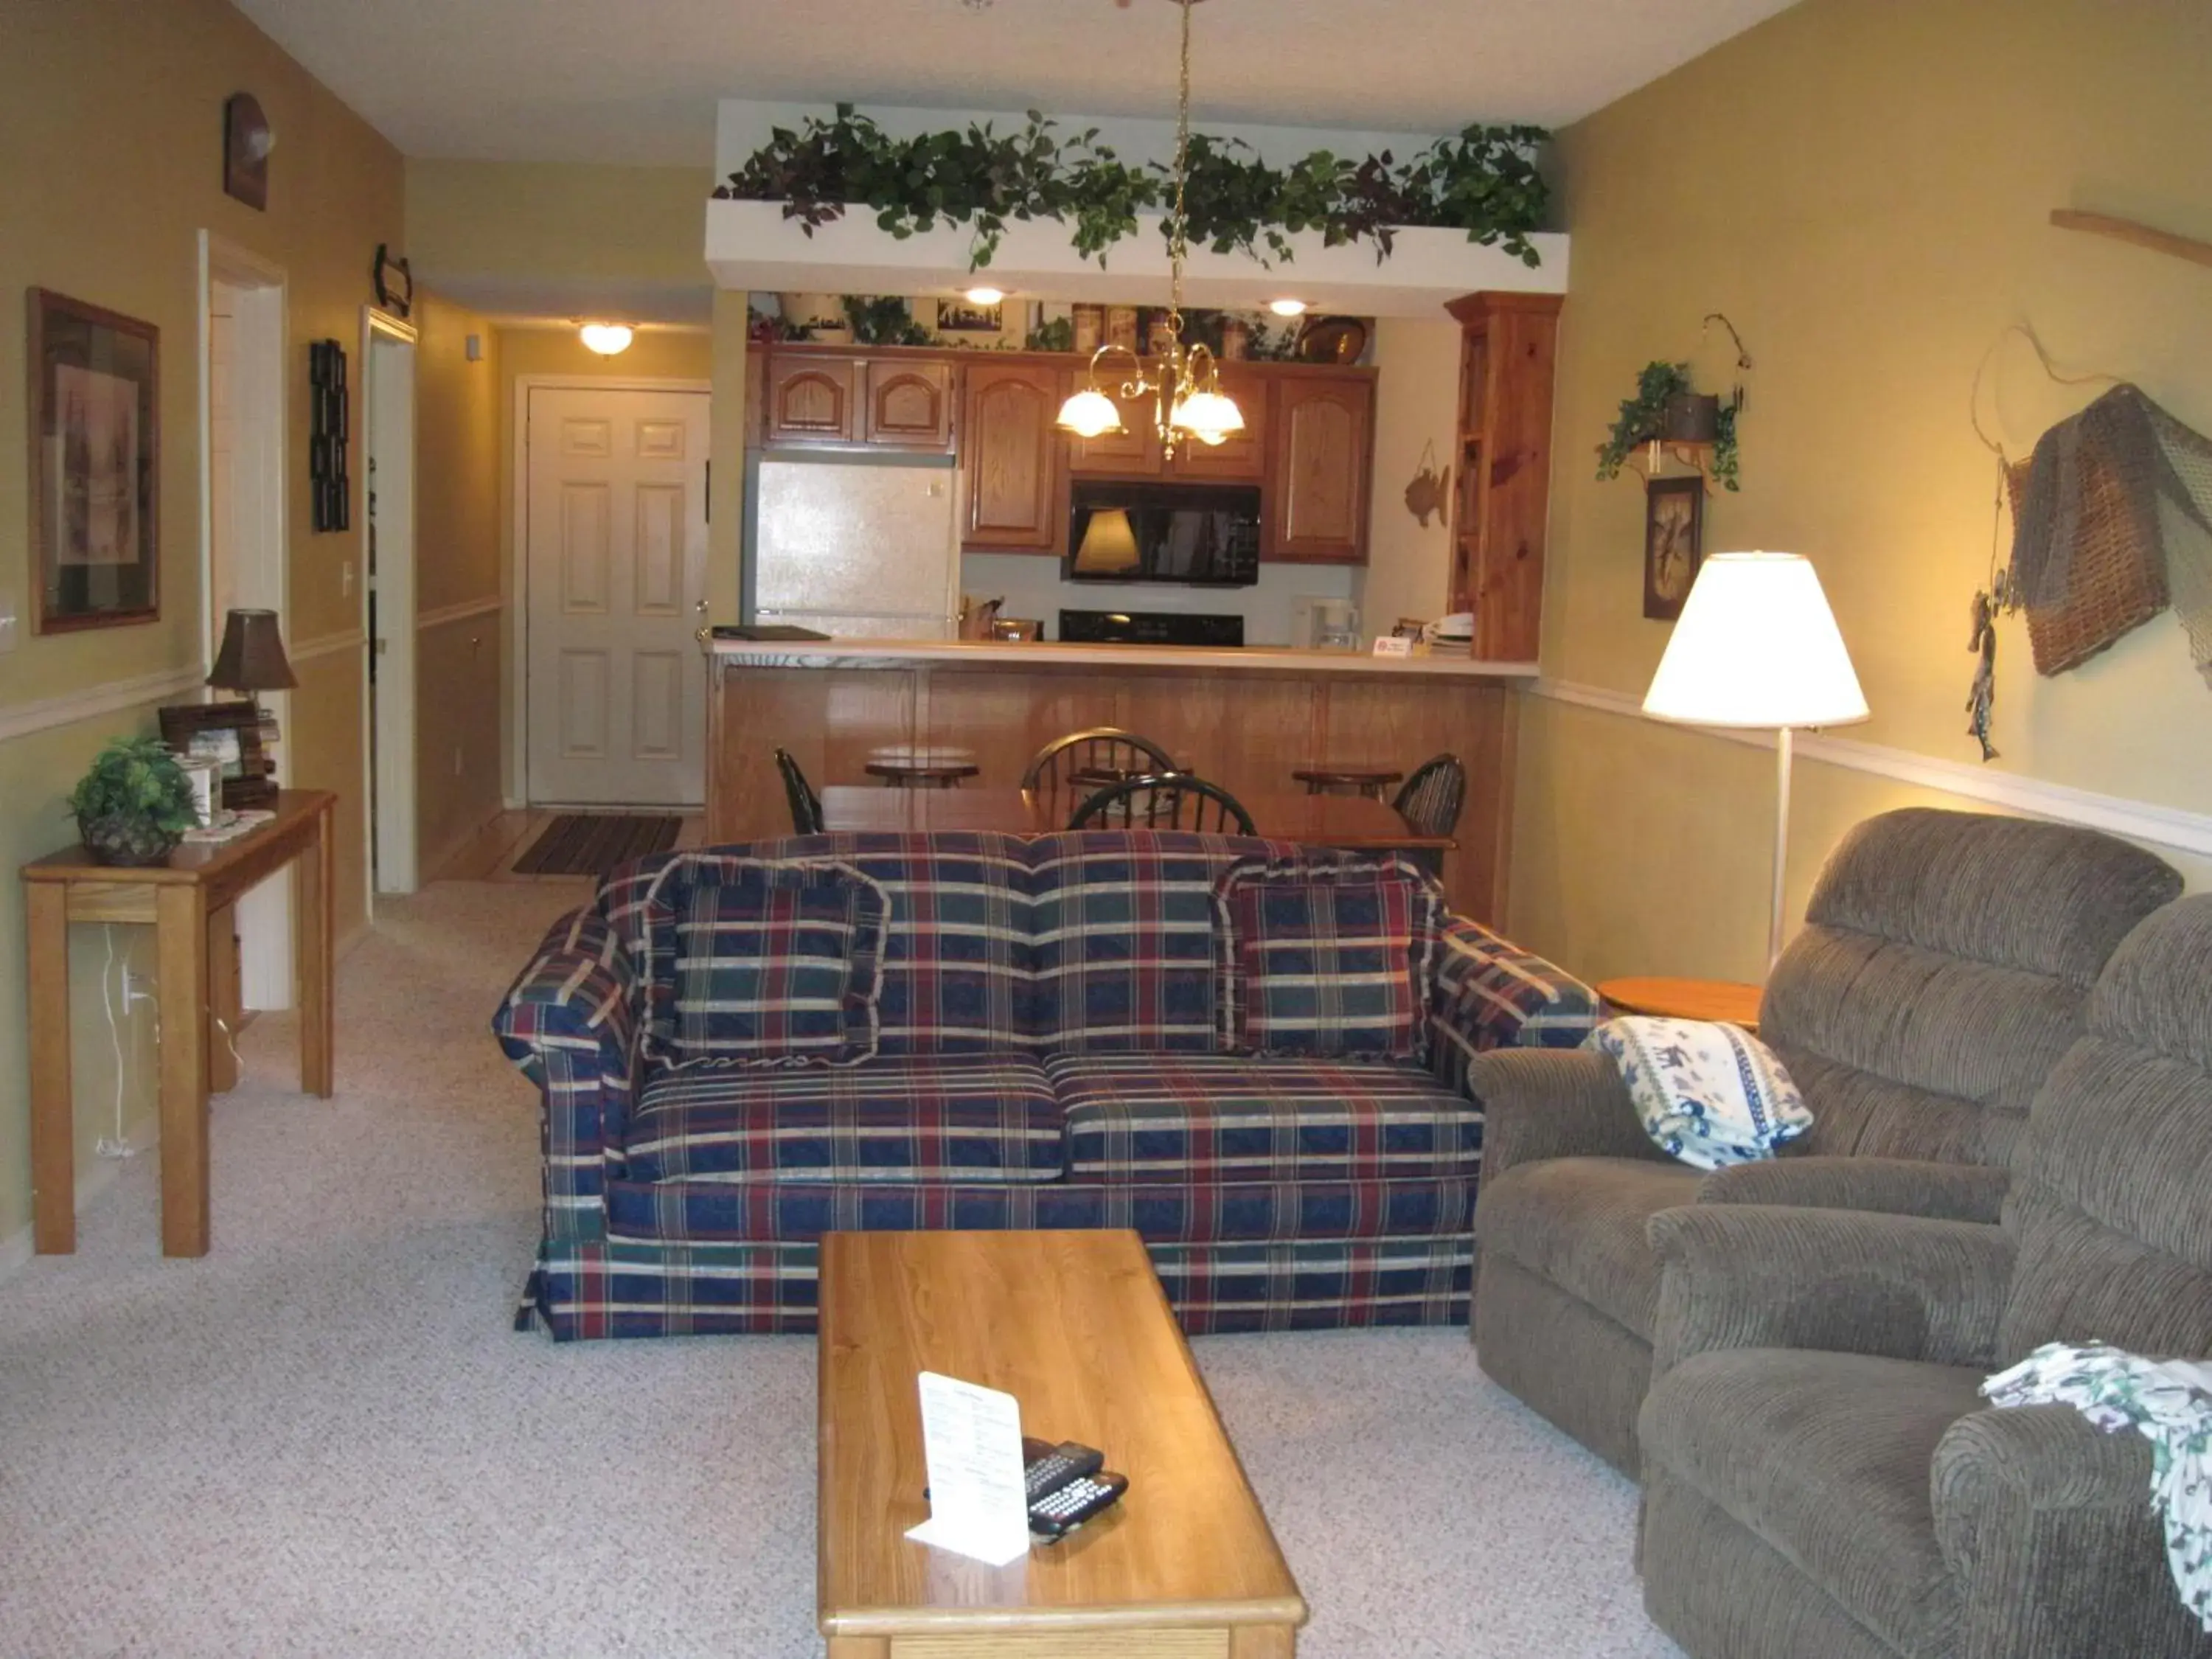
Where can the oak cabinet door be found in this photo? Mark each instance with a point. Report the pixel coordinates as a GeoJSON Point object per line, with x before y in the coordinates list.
{"type": "Point", "coordinates": [812, 400]}
{"type": "Point", "coordinates": [909, 405]}
{"type": "Point", "coordinates": [1132, 452]}
{"type": "Point", "coordinates": [1010, 451]}
{"type": "Point", "coordinates": [1241, 458]}
{"type": "Point", "coordinates": [1322, 439]}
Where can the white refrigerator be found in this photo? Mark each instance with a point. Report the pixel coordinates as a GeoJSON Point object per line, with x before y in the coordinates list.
{"type": "Point", "coordinates": [856, 547]}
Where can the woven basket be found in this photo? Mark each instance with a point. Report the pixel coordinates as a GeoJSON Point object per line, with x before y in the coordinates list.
{"type": "Point", "coordinates": [2116, 578]}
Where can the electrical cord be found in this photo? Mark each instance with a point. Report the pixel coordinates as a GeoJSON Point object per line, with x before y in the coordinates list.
{"type": "Point", "coordinates": [114, 1145]}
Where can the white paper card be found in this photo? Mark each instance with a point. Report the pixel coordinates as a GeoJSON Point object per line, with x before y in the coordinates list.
{"type": "Point", "coordinates": [1390, 645]}
{"type": "Point", "coordinates": [972, 1438]}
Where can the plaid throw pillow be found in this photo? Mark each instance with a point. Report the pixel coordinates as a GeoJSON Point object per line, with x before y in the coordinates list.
{"type": "Point", "coordinates": [769, 964]}
{"type": "Point", "coordinates": [1327, 959]}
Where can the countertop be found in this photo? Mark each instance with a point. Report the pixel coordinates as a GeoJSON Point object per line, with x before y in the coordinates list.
{"type": "Point", "coordinates": [985, 654]}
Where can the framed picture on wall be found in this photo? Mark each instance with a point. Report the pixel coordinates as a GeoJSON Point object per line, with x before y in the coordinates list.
{"type": "Point", "coordinates": [1674, 529]}
{"type": "Point", "coordinates": [965, 317]}
{"type": "Point", "coordinates": [95, 464]}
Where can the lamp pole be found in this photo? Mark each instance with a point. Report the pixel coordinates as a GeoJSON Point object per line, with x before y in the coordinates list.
{"type": "Point", "coordinates": [1781, 843]}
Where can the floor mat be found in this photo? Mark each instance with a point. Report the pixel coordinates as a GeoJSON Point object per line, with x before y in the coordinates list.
{"type": "Point", "coordinates": [592, 843]}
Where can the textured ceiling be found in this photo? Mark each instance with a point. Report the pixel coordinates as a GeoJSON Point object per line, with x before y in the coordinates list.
{"type": "Point", "coordinates": [635, 82]}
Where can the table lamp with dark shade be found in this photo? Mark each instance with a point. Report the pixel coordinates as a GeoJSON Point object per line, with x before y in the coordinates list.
{"type": "Point", "coordinates": [253, 658]}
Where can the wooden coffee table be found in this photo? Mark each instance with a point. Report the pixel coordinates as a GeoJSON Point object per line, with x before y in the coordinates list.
{"type": "Point", "coordinates": [1075, 1326]}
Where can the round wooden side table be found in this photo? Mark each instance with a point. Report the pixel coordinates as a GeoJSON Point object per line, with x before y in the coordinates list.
{"type": "Point", "coordinates": [1683, 998]}
{"type": "Point", "coordinates": [909, 766]}
{"type": "Point", "coordinates": [1374, 780]}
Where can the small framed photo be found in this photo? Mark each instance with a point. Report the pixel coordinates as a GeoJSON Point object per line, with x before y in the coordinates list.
{"type": "Point", "coordinates": [229, 734]}
{"type": "Point", "coordinates": [961, 317]}
{"type": "Point", "coordinates": [1674, 529]}
{"type": "Point", "coordinates": [96, 466]}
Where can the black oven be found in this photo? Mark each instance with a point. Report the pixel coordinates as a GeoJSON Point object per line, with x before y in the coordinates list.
{"type": "Point", "coordinates": [1200, 535]}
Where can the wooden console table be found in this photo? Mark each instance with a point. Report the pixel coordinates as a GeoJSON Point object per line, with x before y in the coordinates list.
{"type": "Point", "coordinates": [199, 884]}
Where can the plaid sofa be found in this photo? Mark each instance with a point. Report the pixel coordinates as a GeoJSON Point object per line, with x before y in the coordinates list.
{"type": "Point", "coordinates": [1048, 1051]}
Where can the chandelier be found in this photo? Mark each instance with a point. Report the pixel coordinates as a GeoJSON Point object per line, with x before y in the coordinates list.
{"type": "Point", "coordinates": [1188, 401]}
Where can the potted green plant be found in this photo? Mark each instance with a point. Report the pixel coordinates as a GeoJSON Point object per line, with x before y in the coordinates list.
{"type": "Point", "coordinates": [1667, 408]}
{"type": "Point", "coordinates": [135, 805]}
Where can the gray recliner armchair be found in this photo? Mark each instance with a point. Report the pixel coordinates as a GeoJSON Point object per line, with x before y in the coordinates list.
{"type": "Point", "coordinates": [1941, 974]}
{"type": "Point", "coordinates": [1821, 1475]}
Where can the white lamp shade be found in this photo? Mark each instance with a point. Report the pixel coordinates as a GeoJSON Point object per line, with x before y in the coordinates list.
{"type": "Point", "coordinates": [1209, 417]}
{"type": "Point", "coordinates": [1091, 414]}
{"type": "Point", "coordinates": [1756, 646]}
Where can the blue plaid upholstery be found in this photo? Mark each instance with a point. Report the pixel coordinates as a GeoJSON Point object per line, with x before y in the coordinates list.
{"type": "Point", "coordinates": [594, 1291]}
{"type": "Point", "coordinates": [765, 963]}
{"type": "Point", "coordinates": [698, 1209]}
{"type": "Point", "coordinates": [1216, 1118]}
{"type": "Point", "coordinates": [1330, 960]}
{"type": "Point", "coordinates": [926, 1117]}
{"type": "Point", "coordinates": [801, 1211]}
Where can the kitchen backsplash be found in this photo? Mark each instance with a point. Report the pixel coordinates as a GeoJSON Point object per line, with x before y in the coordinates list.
{"type": "Point", "coordinates": [1031, 586]}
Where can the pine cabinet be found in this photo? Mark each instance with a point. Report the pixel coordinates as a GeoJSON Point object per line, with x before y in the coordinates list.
{"type": "Point", "coordinates": [1320, 449]}
{"type": "Point", "coordinates": [1503, 486]}
{"type": "Point", "coordinates": [1241, 458]}
{"type": "Point", "coordinates": [1009, 459]}
{"type": "Point", "coordinates": [878, 402]}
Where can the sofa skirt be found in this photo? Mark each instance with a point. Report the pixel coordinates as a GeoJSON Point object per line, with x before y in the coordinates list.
{"type": "Point", "coordinates": [588, 1291]}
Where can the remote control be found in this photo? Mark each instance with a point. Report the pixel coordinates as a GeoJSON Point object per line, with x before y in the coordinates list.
{"type": "Point", "coordinates": [1055, 1515]}
{"type": "Point", "coordinates": [1069, 1461]}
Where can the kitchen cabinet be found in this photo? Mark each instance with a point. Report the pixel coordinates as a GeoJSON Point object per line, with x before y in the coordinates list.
{"type": "Point", "coordinates": [1504, 465]}
{"type": "Point", "coordinates": [1135, 451]}
{"type": "Point", "coordinates": [812, 400]}
{"type": "Point", "coordinates": [1241, 458]}
{"type": "Point", "coordinates": [908, 406]}
{"type": "Point", "coordinates": [1009, 459]}
{"type": "Point", "coordinates": [1320, 449]}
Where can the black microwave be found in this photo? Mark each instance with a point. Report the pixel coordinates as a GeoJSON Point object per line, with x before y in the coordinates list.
{"type": "Point", "coordinates": [1201, 535]}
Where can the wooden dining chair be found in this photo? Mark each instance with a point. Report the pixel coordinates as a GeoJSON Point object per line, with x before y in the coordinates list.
{"type": "Point", "coordinates": [1084, 761]}
{"type": "Point", "coordinates": [1170, 801]}
{"type": "Point", "coordinates": [1431, 799]}
{"type": "Point", "coordinates": [805, 805]}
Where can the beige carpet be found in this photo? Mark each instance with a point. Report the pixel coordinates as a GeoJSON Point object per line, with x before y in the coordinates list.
{"type": "Point", "coordinates": [324, 1440]}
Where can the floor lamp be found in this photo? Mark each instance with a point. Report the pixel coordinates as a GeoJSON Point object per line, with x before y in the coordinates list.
{"type": "Point", "coordinates": [1757, 647]}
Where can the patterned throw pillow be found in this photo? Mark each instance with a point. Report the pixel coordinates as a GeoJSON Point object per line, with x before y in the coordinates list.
{"type": "Point", "coordinates": [1708, 1094]}
{"type": "Point", "coordinates": [767, 963]}
{"type": "Point", "coordinates": [1327, 959]}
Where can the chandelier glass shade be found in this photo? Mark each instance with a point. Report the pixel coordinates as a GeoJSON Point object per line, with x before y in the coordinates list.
{"type": "Point", "coordinates": [1185, 383]}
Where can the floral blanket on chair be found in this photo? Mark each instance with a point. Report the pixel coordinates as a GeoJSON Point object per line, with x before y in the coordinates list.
{"type": "Point", "coordinates": [2170, 1402]}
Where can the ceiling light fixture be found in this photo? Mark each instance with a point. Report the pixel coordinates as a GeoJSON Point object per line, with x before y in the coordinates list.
{"type": "Point", "coordinates": [984, 296]}
{"type": "Point", "coordinates": [1287, 307]}
{"type": "Point", "coordinates": [1188, 401]}
{"type": "Point", "coordinates": [606, 338]}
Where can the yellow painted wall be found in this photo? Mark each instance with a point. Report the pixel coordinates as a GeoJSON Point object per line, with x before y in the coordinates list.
{"type": "Point", "coordinates": [460, 647]}
{"type": "Point", "coordinates": [1416, 408]}
{"type": "Point", "coordinates": [110, 122]}
{"type": "Point", "coordinates": [543, 221]}
{"type": "Point", "coordinates": [1863, 187]}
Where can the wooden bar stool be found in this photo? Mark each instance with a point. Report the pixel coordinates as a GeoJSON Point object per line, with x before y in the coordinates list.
{"type": "Point", "coordinates": [1374, 780]}
{"type": "Point", "coordinates": [911, 766]}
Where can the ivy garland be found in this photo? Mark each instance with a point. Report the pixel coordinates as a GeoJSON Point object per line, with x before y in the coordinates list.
{"type": "Point", "coordinates": [1483, 180]}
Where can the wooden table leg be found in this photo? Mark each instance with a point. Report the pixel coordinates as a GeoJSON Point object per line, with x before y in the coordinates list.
{"type": "Point", "coordinates": [181, 948]}
{"type": "Point", "coordinates": [311, 953]}
{"type": "Point", "coordinates": [224, 1013]}
{"type": "Point", "coordinates": [53, 1118]}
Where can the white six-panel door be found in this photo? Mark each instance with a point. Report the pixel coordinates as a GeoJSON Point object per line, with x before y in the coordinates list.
{"type": "Point", "coordinates": [616, 560]}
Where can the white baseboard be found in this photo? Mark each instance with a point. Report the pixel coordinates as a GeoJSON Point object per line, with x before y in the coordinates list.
{"type": "Point", "coordinates": [2147, 821]}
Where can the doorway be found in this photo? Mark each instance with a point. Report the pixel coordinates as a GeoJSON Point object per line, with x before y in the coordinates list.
{"type": "Point", "coordinates": [388, 596]}
{"type": "Point", "coordinates": [243, 340]}
{"type": "Point", "coordinates": [612, 566]}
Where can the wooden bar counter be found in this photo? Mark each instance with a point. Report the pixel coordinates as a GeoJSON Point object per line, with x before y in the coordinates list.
{"type": "Point", "coordinates": [1243, 719]}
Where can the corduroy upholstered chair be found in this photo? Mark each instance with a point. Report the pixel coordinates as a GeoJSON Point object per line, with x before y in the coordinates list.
{"type": "Point", "coordinates": [1821, 1475]}
{"type": "Point", "coordinates": [1941, 974]}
